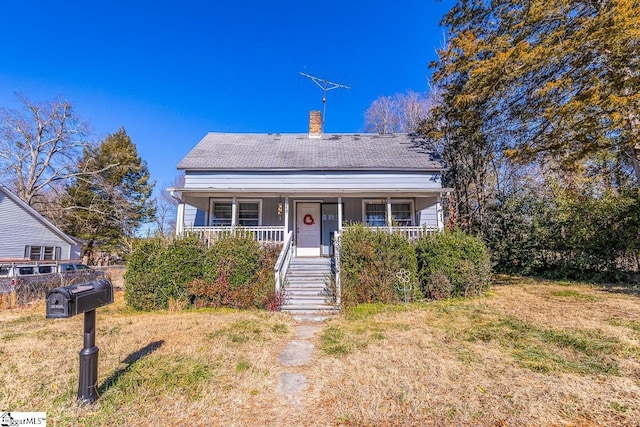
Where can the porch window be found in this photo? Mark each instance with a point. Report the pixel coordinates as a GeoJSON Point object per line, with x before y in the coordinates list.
{"type": "Point", "coordinates": [249, 214]}
{"type": "Point", "coordinates": [42, 253]}
{"type": "Point", "coordinates": [375, 214]}
{"type": "Point", "coordinates": [221, 214]}
{"type": "Point", "coordinates": [401, 213]}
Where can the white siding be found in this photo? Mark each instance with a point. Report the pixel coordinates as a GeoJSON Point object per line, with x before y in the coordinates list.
{"type": "Point", "coordinates": [313, 181]}
{"type": "Point", "coordinates": [19, 228]}
{"type": "Point", "coordinates": [194, 217]}
{"type": "Point", "coordinates": [429, 216]}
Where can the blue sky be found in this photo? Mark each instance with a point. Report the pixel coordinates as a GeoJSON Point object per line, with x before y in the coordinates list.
{"type": "Point", "coordinates": [170, 72]}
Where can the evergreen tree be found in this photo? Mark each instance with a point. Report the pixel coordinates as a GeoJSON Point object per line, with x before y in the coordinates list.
{"type": "Point", "coordinates": [114, 200]}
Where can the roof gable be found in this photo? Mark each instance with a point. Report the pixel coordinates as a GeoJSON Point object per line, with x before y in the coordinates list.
{"type": "Point", "coordinates": [239, 151]}
{"type": "Point", "coordinates": [32, 212]}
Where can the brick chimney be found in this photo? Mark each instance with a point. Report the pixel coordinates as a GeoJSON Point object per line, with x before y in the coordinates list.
{"type": "Point", "coordinates": [315, 124]}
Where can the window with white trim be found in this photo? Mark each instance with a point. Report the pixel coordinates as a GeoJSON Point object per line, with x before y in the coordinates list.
{"type": "Point", "coordinates": [401, 213]}
{"type": "Point", "coordinates": [222, 211]}
{"type": "Point", "coordinates": [42, 253]}
{"type": "Point", "coordinates": [375, 213]}
{"type": "Point", "coordinates": [249, 214]}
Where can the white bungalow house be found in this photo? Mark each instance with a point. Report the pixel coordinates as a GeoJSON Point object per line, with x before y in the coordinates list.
{"type": "Point", "coordinates": [308, 184]}
{"type": "Point", "coordinates": [301, 189]}
{"type": "Point", "coordinates": [25, 234]}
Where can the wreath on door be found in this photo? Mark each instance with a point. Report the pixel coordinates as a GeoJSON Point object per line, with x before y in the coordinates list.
{"type": "Point", "coordinates": [308, 220]}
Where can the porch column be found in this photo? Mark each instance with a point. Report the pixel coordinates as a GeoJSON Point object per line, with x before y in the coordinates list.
{"type": "Point", "coordinates": [286, 216]}
{"type": "Point", "coordinates": [439, 215]}
{"type": "Point", "coordinates": [234, 211]}
{"type": "Point", "coordinates": [340, 214]}
{"type": "Point", "coordinates": [389, 217]}
{"type": "Point", "coordinates": [180, 219]}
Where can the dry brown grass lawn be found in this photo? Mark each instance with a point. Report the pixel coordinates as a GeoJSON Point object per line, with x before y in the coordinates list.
{"type": "Point", "coordinates": [529, 353]}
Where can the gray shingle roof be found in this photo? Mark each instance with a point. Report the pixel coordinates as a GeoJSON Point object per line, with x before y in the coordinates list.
{"type": "Point", "coordinates": [243, 151]}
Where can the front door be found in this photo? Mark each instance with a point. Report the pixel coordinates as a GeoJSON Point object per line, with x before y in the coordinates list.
{"type": "Point", "coordinates": [329, 227]}
{"type": "Point", "coordinates": [308, 229]}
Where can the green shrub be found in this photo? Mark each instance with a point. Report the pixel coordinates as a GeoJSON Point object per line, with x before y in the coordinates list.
{"type": "Point", "coordinates": [140, 278]}
{"type": "Point", "coordinates": [439, 286]}
{"type": "Point", "coordinates": [233, 272]}
{"type": "Point", "coordinates": [369, 262]}
{"type": "Point", "coordinates": [179, 264]}
{"type": "Point", "coordinates": [237, 258]}
{"type": "Point", "coordinates": [559, 232]}
{"type": "Point", "coordinates": [265, 295]}
{"type": "Point", "coordinates": [452, 264]}
{"type": "Point", "coordinates": [237, 272]}
{"type": "Point", "coordinates": [158, 271]}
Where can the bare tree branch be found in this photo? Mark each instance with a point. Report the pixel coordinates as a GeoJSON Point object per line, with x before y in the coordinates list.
{"type": "Point", "coordinates": [400, 113]}
{"type": "Point", "coordinates": [39, 145]}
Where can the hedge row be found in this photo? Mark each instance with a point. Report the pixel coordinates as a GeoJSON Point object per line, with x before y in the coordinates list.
{"type": "Point", "coordinates": [233, 272]}
{"type": "Point", "coordinates": [377, 266]}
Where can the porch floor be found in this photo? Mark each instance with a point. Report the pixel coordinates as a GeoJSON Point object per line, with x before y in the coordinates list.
{"type": "Point", "coordinates": [306, 287]}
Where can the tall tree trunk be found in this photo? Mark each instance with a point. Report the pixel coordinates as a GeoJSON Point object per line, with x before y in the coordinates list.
{"type": "Point", "coordinates": [635, 153]}
{"type": "Point", "coordinates": [634, 134]}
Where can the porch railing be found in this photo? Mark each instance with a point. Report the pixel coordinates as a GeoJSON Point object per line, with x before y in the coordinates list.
{"type": "Point", "coordinates": [410, 232]}
{"type": "Point", "coordinates": [260, 234]}
{"type": "Point", "coordinates": [282, 264]}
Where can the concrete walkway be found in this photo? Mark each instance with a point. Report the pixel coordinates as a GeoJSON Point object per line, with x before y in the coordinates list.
{"type": "Point", "coordinates": [297, 353]}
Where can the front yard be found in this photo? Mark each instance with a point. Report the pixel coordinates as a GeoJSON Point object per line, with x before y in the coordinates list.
{"type": "Point", "coordinates": [529, 353]}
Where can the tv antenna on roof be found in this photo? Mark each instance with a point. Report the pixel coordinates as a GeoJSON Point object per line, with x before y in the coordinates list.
{"type": "Point", "coordinates": [326, 86]}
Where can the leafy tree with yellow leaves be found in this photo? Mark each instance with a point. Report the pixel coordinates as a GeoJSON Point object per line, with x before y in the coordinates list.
{"type": "Point", "coordinates": [556, 81]}
{"type": "Point", "coordinates": [539, 121]}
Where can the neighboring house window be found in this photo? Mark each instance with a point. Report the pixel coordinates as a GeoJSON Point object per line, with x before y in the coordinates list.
{"type": "Point", "coordinates": [42, 253]}
{"type": "Point", "coordinates": [248, 213]}
{"type": "Point", "coordinates": [375, 213]}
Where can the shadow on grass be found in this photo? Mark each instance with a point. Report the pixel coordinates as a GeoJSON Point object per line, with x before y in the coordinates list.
{"type": "Point", "coordinates": [130, 360]}
{"type": "Point", "coordinates": [625, 289]}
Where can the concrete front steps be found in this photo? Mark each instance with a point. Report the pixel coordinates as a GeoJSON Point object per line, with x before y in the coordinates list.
{"type": "Point", "coordinates": [306, 287]}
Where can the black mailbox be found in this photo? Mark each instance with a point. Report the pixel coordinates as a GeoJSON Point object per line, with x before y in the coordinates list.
{"type": "Point", "coordinates": [71, 300]}
{"type": "Point", "coordinates": [84, 298]}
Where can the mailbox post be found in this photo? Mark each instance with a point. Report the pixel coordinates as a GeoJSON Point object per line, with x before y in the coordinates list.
{"type": "Point", "coordinates": [88, 377]}
{"type": "Point", "coordinates": [84, 298]}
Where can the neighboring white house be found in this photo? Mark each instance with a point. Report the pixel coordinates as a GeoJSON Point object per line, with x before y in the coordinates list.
{"type": "Point", "coordinates": [310, 184]}
{"type": "Point", "coordinates": [25, 234]}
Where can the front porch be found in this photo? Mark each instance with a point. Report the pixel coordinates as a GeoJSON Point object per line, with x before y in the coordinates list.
{"type": "Point", "coordinates": [313, 219]}
{"type": "Point", "coordinates": [307, 224]}
{"type": "Point", "coordinates": [289, 253]}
